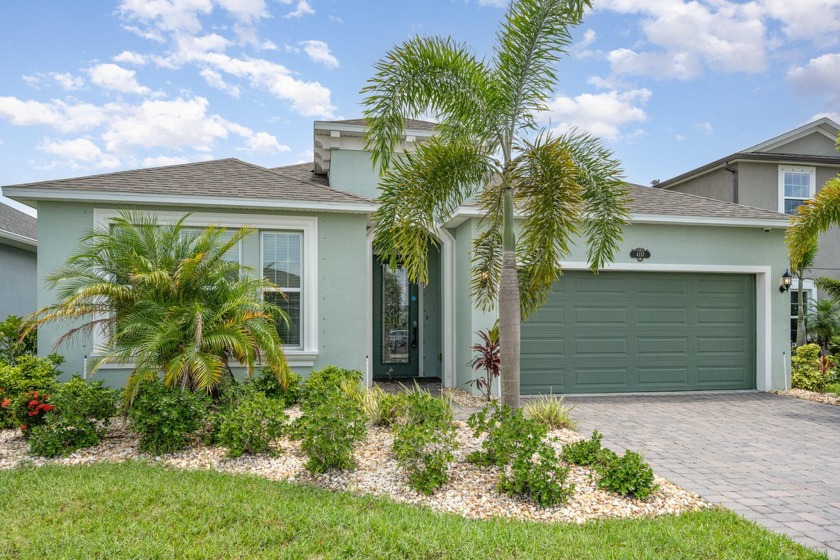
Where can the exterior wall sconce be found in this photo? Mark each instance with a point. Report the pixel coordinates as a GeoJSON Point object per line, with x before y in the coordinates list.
{"type": "Point", "coordinates": [787, 280]}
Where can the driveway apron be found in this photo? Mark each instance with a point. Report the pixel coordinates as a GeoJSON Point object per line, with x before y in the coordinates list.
{"type": "Point", "coordinates": [772, 459]}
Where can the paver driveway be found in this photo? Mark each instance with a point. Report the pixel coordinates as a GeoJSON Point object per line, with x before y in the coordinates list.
{"type": "Point", "coordinates": [772, 459]}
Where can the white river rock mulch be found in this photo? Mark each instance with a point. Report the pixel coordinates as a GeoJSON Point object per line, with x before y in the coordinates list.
{"type": "Point", "coordinates": [825, 398]}
{"type": "Point", "coordinates": [471, 491]}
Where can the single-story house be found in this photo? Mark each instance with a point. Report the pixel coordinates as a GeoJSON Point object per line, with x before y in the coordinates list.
{"type": "Point", "coordinates": [692, 301]}
{"type": "Point", "coordinates": [18, 258]}
{"type": "Point", "coordinates": [778, 174]}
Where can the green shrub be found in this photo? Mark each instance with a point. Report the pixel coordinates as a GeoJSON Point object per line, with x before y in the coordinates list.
{"type": "Point", "coordinates": [587, 452]}
{"type": "Point", "coordinates": [251, 425]}
{"type": "Point", "coordinates": [166, 416]}
{"type": "Point", "coordinates": [508, 433]}
{"type": "Point", "coordinates": [381, 408]}
{"type": "Point", "coordinates": [320, 382]}
{"type": "Point", "coordinates": [330, 427]}
{"type": "Point", "coordinates": [808, 372]}
{"type": "Point", "coordinates": [543, 479]}
{"type": "Point", "coordinates": [833, 388]}
{"type": "Point", "coordinates": [25, 390]}
{"type": "Point", "coordinates": [268, 384]}
{"type": "Point", "coordinates": [550, 411]}
{"type": "Point", "coordinates": [628, 475]}
{"type": "Point", "coordinates": [80, 418]}
{"type": "Point", "coordinates": [13, 343]}
{"type": "Point", "coordinates": [424, 441]}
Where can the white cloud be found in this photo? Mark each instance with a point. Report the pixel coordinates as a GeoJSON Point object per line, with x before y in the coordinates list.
{"type": "Point", "coordinates": [303, 8]}
{"type": "Point", "coordinates": [68, 81]}
{"type": "Point", "coordinates": [246, 11]}
{"type": "Point", "coordinates": [263, 142]}
{"type": "Point", "coordinates": [602, 114]}
{"type": "Point", "coordinates": [166, 15]}
{"type": "Point", "coordinates": [817, 21]}
{"type": "Point", "coordinates": [116, 78]}
{"type": "Point", "coordinates": [706, 127]}
{"type": "Point", "coordinates": [181, 123]}
{"type": "Point", "coordinates": [820, 75]}
{"type": "Point", "coordinates": [78, 153]}
{"type": "Point", "coordinates": [319, 51]}
{"type": "Point", "coordinates": [128, 57]}
{"type": "Point", "coordinates": [214, 79]}
{"type": "Point", "coordinates": [310, 99]}
{"type": "Point", "coordinates": [32, 81]}
{"type": "Point", "coordinates": [496, 3]}
{"type": "Point", "coordinates": [55, 113]}
{"type": "Point", "coordinates": [161, 161]}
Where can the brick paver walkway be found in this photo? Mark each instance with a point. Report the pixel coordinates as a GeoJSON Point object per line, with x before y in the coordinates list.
{"type": "Point", "coordinates": [772, 459]}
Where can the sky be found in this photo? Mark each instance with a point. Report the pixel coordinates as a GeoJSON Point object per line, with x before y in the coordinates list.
{"type": "Point", "coordinates": [93, 87]}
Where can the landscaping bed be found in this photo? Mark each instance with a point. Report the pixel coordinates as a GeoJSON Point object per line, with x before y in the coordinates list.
{"type": "Point", "coordinates": [825, 398]}
{"type": "Point", "coordinates": [471, 491]}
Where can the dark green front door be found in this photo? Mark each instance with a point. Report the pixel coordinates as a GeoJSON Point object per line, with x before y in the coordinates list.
{"type": "Point", "coordinates": [395, 323]}
{"type": "Point", "coordinates": [623, 332]}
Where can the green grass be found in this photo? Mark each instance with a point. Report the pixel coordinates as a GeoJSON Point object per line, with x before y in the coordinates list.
{"type": "Point", "coordinates": [135, 510]}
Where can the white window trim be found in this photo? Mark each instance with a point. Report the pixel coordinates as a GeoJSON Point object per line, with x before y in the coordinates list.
{"type": "Point", "coordinates": [304, 356]}
{"type": "Point", "coordinates": [812, 187]}
{"type": "Point", "coordinates": [300, 290]}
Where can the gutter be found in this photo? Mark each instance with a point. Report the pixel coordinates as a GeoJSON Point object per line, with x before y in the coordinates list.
{"type": "Point", "coordinates": [734, 170]}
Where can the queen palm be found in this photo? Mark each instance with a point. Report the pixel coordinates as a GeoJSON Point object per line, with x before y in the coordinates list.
{"type": "Point", "coordinates": [490, 148]}
{"type": "Point", "coordinates": [168, 302]}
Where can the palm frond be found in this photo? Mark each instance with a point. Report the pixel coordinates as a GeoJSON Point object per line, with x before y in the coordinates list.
{"type": "Point", "coordinates": [811, 219]}
{"type": "Point", "coordinates": [831, 286]}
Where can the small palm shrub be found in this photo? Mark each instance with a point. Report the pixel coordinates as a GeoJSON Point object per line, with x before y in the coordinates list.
{"type": "Point", "coordinates": [628, 475]}
{"type": "Point", "coordinates": [251, 424]}
{"type": "Point", "coordinates": [381, 408]}
{"type": "Point", "coordinates": [25, 390]}
{"type": "Point", "coordinates": [268, 384]}
{"type": "Point", "coordinates": [166, 416]}
{"type": "Point", "coordinates": [424, 441]}
{"type": "Point", "coordinates": [587, 452]}
{"type": "Point", "coordinates": [809, 370]}
{"type": "Point", "coordinates": [551, 412]}
{"type": "Point", "coordinates": [80, 418]}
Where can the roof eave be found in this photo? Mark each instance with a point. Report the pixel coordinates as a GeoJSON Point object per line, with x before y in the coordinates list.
{"type": "Point", "coordinates": [17, 240]}
{"type": "Point", "coordinates": [30, 196]}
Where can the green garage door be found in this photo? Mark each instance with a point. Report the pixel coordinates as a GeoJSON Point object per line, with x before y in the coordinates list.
{"type": "Point", "coordinates": [641, 331]}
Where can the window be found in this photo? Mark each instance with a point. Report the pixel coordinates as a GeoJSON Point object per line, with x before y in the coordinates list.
{"type": "Point", "coordinates": [796, 185]}
{"type": "Point", "coordinates": [794, 309]}
{"type": "Point", "coordinates": [282, 256]}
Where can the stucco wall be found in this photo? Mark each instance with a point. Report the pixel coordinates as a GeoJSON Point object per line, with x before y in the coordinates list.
{"type": "Point", "coordinates": [715, 184]}
{"type": "Point", "coordinates": [341, 270]}
{"type": "Point", "coordinates": [814, 144]}
{"type": "Point", "coordinates": [352, 171]}
{"type": "Point", "coordinates": [18, 274]}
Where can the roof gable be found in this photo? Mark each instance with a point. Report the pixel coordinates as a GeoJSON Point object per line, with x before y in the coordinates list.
{"type": "Point", "coordinates": [824, 127]}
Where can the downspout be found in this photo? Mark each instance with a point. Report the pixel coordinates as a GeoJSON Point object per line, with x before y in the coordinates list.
{"type": "Point", "coordinates": [734, 171]}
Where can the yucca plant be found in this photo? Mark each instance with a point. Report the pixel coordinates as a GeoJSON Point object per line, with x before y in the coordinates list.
{"type": "Point", "coordinates": [168, 302]}
{"type": "Point", "coordinates": [490, 148]}
{"type": "Point", "coordinates": [550, 411]}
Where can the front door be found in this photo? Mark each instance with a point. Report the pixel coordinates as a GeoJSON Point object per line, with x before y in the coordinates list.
{"type": "Point", "coordinates": [395, 328]}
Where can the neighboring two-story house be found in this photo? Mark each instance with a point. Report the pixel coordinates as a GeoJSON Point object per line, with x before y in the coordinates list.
{"type": "Point", "coordinates": [18, 266]}
{"type": "Point", "coordinates": [778, 174]}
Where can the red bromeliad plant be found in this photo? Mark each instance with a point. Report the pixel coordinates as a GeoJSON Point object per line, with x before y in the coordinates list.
{"type": "Point", "coordinates": [489, 359]}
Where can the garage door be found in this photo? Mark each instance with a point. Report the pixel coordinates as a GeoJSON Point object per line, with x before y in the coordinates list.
{"type": "Point", "coordinates": [636, 332]}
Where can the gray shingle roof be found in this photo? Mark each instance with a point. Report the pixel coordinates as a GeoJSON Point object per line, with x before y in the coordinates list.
{"type": "Point", "coordinates": [411, 124]}
{"type": "Point", "coordinates": [16, 222]}
{"type": "Point", "coordinates": [224, 178]}
{"type": "Point", "coordinates": [303, 172]}
{"type": "Point", "coordinates": [652, 201]}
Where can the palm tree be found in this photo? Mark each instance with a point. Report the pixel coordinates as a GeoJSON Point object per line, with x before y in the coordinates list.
{"type": "Point", "coordinates": [811, 220]}
{"type": "Point", "coordinates": [168, 302]}
{"type": "Point", "coordinates": [824, 321]}
{"type": "Point", "coordinates": [805, 263]}
{"type": "Point", "coordinates": [489, 147]}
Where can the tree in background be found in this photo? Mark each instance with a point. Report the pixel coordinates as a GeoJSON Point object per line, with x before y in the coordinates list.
{"type": "Point", "coordinates": [489, 147]}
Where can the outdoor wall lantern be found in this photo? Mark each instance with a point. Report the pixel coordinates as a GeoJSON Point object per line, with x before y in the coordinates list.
{"type": "Point", "coordinates": [787, 279]}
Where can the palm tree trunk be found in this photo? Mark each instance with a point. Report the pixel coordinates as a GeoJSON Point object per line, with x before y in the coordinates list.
{"type": "Point", "coordinates": [801, 334]}
{"type": "Point", "coordinates": [509, 310]}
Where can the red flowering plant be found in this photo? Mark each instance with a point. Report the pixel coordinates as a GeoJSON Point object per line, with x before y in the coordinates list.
{"type": "Point", "coordinates": [29, 409]}
{"type": "Point", "coordinates": [26, 389]}
{"type": "Point", "coordinates": [488, 358]}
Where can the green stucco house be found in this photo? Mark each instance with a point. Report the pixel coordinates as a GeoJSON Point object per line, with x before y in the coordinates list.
{"type": "Point", "coordinates": [18, 262]}
{"type": "Point", "coordinates": [696, 307]}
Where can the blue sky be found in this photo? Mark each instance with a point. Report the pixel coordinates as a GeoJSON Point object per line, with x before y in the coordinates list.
{"type": "Point", "coordinates": [95, 87]}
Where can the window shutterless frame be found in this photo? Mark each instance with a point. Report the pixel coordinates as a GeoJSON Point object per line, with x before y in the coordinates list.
{"type": "Point", "coordinates": [796, 185]}
{"type": "Point", "coordinates": [288, 254]}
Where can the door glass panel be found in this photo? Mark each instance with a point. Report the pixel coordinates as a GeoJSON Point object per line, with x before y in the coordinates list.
{"type": "Point", "coordinates": [395, 329]}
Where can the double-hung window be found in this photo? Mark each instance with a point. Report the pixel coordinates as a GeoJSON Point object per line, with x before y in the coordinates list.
{"type": "Point", "coordinates": [796, 185]}
{"type": "Point", "coordinates": [282, 264]}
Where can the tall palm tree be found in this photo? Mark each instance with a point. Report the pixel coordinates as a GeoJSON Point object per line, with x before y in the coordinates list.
{"type": "Point", "coordinates": [811, 220]}
{"type": "Point", "coordinates": [805, 263]}
{"type": "Point", "coordinates": [168, 302]}
{"type": "Point", "coordinates": [489, 147]}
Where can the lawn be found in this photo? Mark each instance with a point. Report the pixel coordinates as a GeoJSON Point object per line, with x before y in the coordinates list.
{"type": "Point", "coordinates": [135, 510]}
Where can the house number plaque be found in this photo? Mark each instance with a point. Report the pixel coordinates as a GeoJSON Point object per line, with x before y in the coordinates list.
{"type": "Point", "coordinates": [640, 254]}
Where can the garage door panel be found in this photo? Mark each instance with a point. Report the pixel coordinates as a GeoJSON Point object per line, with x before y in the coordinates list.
{"type": "Point", "coordinates": [605, 378]}
{"type": "Point", "coordinates": [662, 375]}
{"type": "Point", "coordinates": [642, 332]}
{"type": "Point", "coordinates": [658, 345]}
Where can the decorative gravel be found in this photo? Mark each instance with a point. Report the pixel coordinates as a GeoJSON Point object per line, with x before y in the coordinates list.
{"type": "Point", "coordinates": [471, 491]}
{"type": "Point", "coordinates": [825, 398]}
